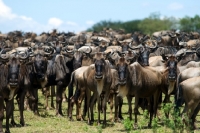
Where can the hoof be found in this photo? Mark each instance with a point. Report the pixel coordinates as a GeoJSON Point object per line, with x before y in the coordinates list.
{"type": "Point", "coordinates": [149, 125]}
{"type": "Point", "coordinates": [71, 119]}
{"type": "Point", "coordinates": [7, 131]}
{"type": "Point", "coordinates": [135, 126]}
{"type": "Point", "coordinates": [13, 123]}
{"type": "Point", "coordinates": [47, 108]}
{"type": "Point", "coordinates": [59, 115]}
{"type": "Point", "coordinates": [22, 123]}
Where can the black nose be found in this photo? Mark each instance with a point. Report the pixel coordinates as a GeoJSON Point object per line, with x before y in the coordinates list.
{"type": "Point", "coordinates": [172, 77]}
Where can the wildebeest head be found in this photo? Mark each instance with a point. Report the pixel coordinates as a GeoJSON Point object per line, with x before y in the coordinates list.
{"type": "Point", "coordinates": [124, 46]}
{"type": "Point", "coordinates": [40, 64]}
{"type": "Point", "coordinates": [171, 64]}
{"type": "Point", "coordinates": [103, 45]}
{"type": "Point", "coordinates": [144, 52]}
{"type": "Point", "coordinates": [13, 64]}
{"type": "Point", "coordinates": [77, 59]}
{"type": "Point", "coordinates": [99, 61]}
{"type": "Point", "coordinates": [122, 70]}
{"type": "Point", "coordinates": [13, 71]}
{"type": "Point", "coordinates": [172, 71]}
{"type": "Point", "coordinates": [19, 38]}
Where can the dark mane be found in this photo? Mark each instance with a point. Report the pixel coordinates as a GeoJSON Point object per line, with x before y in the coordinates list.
{"type": "Point", "coordinates": [18, 33]}
{"type": "Point", "coordinates": [3, 76]}
{"type": "Point", "coordinates": [24, 74]}
{"type": "Point", "coordinates": [44, 33]}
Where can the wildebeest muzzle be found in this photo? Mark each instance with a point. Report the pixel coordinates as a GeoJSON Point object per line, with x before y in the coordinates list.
{"type": "Point", "coordinates": [99, 71]}
{"type": "Point", "coordinates": [13, 79]}
{"type": "Point", "coordinates": [122, 75]}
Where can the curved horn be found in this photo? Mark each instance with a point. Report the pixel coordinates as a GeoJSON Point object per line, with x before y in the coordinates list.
{"type": "Point", "coordinates": [182, 43]}
{"type": "Point", "coordinates": [89, 51]}
{"type": "Point", "coordinates": [134, 47]}
{"type": "Point", "coordinates": [24, 56]}
{"type": "Point", "coordinates": [153, 46]}
{"type": "Point", "coordinates": [197, 50]}
{"type": "Point", "coordinates": [4, 56]}
{"type": "Point", "coordinates": [51, 51]}
{"type": "Point", "coordinates": [68, 51]}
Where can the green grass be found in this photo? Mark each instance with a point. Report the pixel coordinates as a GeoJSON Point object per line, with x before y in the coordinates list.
{"type": "Point", "coordinates": [49, 123]}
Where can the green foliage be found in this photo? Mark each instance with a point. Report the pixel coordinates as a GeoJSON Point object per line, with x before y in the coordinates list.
{"type": "Point", "coordinates": [128, 124]}
{"type": "Point", "coordinates": [190, 24]}
{"type": "Point", "coordinates": [151, 24]}
{"type": "Point", "coordinates": [99, 129]}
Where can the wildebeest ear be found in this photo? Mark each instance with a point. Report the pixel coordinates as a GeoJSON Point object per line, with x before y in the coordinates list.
{"type": "Point", "coordinates": [165, 58]}
{"type": "Point", "coordinates": [198, 51]}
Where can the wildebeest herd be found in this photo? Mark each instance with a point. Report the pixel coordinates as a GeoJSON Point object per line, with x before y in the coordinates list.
{"type": "Point", "coordinates": [102, 67]}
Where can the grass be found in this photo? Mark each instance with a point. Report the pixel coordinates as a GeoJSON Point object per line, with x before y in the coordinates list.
{"type": "Point", "coordinates": [47, 122]}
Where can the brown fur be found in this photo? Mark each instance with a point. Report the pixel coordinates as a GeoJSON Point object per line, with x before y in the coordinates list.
{"type": "Point", "coordinates": [191, 95]}
{"type": "Point", "coordinates": [94, 85]}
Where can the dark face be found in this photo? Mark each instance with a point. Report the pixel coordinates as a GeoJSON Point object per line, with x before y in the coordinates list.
{"type": "Point", "coordinates": [77, 60]}
{"type": "Point", "coordinates": [99, 68]}
{"type": "Point", "coordinates": [40, 66]}
{"type": "Point", "coordinates": [121, 68]}
{"type": "Point", "coordinates": [144, 56]}
{"type": "Point", "coordinates": [172, 68]}
{"type": "Point", "coordinates": [78, 44]}
{"type": "Point", "coordinates": [20, 41]}
{"type": "Point", "coordinates": [124, 47]}
{"type": "Point", "coordinates": [102, 48]}
{"type": "Point", "coordinates": [13, 72]}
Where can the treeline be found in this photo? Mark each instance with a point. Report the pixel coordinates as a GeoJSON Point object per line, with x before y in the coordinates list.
{"type": "Point", "coordinates": [151, 24]}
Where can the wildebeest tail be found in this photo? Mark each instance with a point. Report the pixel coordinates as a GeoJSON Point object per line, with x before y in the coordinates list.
{"type": "Point", "coordinates": [178, 98]}
{"type": "Point", "coordinates": [72, 78]}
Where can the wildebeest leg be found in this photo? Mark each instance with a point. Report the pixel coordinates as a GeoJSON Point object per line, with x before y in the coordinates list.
{"type": "Point", "coordinates": [156, 97]}
{"type": "Point", "coordinates": [35, 102]}
{"type": "Point", "coordinates": [120, 102]}
{"type": "Point", "coordinates": [64, 95]}
{"type": "Point", "coordinates": [71, 107]}
{"type": "Point", "coordinates": [106, 95]}
{"type": "Point", "coordinates": [80, 99]}
{"type": "Point", "coordinates": [21, 106]}
{"type": "Point", "coordinates": [191, 110]}
{"type": "Point", "coordinates": [196, 111]}
{"type": "Point", "coordinates": [135, 109]}
{"type": "Point", "coordinates": [46, 92]}
{"type": "Point", "coordinates": [52, 95]}
{"type": "Point", "coordinates": [93, 99]}
{"type": "Point", "coordinates": [13, 123]}
{"type": "Point", "coordinates": [70, 94]}
{"type": "Point", "coordinates": [88, 97]}
{"type": "Point", "coordinates": [85, 105]}
{"type": "Point", "coordinates": [130, 106]}
{"type": "Point", "coordinates": [1, 113]}
{"type": "Point", "coordinates": [116, 99]}
{"type": "Point", "coordinates": [27, 104]}
{"type": "Point", "coordinates": [59, 99]}
{"type": "Point", "coordinates": [118, 108]}
{"type": "Point", "coordinates": [9, 109]}
{"type": "Point", "coordinates": [166, 100]}
{"type": "Point", "coordinates": [111, 97]}
{"type": "Point", "coordinates": [99, 109]}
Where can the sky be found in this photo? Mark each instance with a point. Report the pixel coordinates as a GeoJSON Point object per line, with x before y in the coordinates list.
{"type": "Point", "coordinates": [78, 15]}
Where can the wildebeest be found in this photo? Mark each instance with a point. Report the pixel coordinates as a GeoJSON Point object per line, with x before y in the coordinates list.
{"type": "Point", "coordinates": [78, 81]}
{"type": "Point", "coordinates": [38, 77]}
{"type": "Point", "coordinates": [185, 56]}
{"type": "Point", "coordinates": [143, 53]}
{"type": "Point", "coordinates": [98, 80]}
{"type": "Point", "coordinates": [145, 83]}
{"type": "Point", "coordinates": [189, 92]}
{"type": "Point", "coordinates": [14, 80]}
